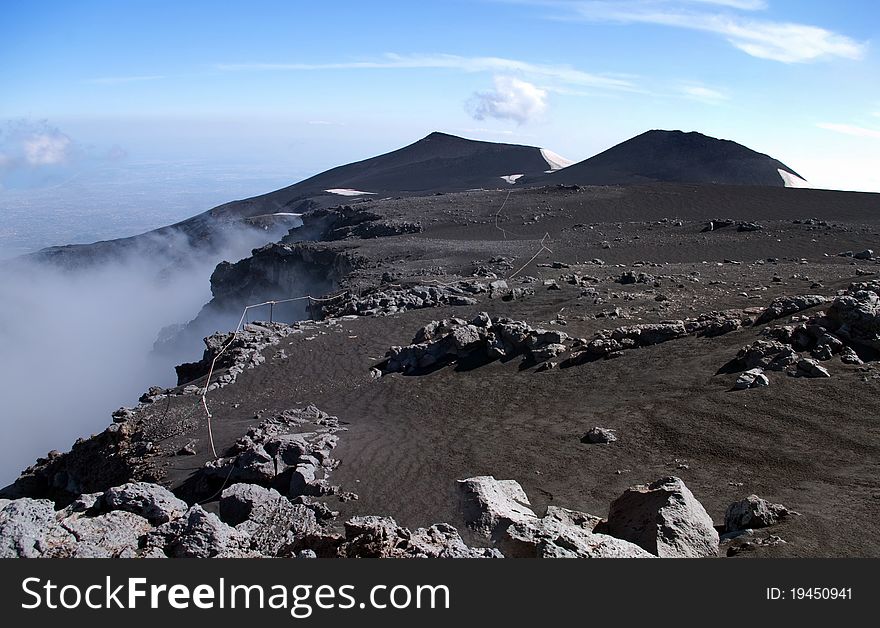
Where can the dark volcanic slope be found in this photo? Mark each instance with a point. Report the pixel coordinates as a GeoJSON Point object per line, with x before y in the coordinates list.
{"type": "Point", "coordinates": [436, 163]}
{"type": "Point", "coordinates": [812, 444]}
{"type": "Point", "coordinates": [672, 157]}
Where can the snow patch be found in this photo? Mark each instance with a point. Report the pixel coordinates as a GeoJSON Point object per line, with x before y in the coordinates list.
{"type": "Point", "coordinates": [511, 178]}
{"type": "Point", "coordinates": [792, 180]}
{"type": "Point", "coordinates": [347, 192]}
{"type": "Point", "coordinates": [556, 162]}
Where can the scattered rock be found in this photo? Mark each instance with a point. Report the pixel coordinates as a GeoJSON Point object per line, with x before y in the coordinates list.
{"type": "Point", "coordinates": [599, 435]}
{"type": "Point", "coordinates": [753, 512]}
{"type": "Point", "coordinates": [753, 378]}
{"type": "Point", "coordinates": [811, 368]}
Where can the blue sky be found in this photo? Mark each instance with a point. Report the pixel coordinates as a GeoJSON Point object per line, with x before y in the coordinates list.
{"type": "Point", "coordinates": [304, 86]}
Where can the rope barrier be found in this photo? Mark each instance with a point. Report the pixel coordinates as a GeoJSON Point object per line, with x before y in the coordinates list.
{"type": "Point", "coordinates": [226, 346]}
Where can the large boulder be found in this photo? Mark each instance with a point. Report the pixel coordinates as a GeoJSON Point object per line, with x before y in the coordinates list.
{"type": "Point", "coordinates": [116, 534]}
{"type": "Point", "coordinates": [753, 512]}
{"type": "Point", "coordinates": [155, 503]}
{"type": "Point", "coordinates": [28, 528]}
{"type": "Point", "coordinates": [198, 534]}
{"type": "Point", "coordinates": [665, 519]}
{"type": "Point", "coordinates": [858, 315]}
{"type": "Point", "coordinates": [268, 518]}
{"type": "Point", "coordinates": [490, 506]}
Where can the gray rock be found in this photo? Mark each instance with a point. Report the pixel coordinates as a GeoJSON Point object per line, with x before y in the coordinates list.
{"type": "Point", "coordinates": [563, 533]}
{"type": "Point", "coordinates": [784, 306]}
{"type": "Point", "coordinates": [753, 512]}
{"type": "Point", "coordinates": [599, 435]}
{"type": "Point", "coordinates": [753, 378]}
{"type": "Point", "coordinates": [156, 503]}
{"type": "Point", "coordinates": [382, 537]}
{"type": "Point", "coordinates": [665, 519]}
{"type": "Point", "coordinates": [864, 255]}
{"type": "Point", "coordinates": [858, 315]}
{"type": "Point", "coordinates": [268, 518]}
{"type": "Point", "coordinates": [491, 505]}
{"type": "Point", "coordinates": [811, 368]}
{"type": "Point", "coordinates": [849, 356]}
{"type": "Point", "coordinates": [498, 288]}
{"type": "Point", "coordinates": [767, 354]}
{"type": "Point", "coordinates": [28, 529]}
{"type": "Point", "coordinates": [116, 534]}
{"type": "Point", "coordinates": [198, 534]}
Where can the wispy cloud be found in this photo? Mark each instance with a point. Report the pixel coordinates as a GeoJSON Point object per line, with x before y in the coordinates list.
{"type": "Point", "coordinates": [787, 42]}
{"type": "Point", "coordinates": [704, 94]}
{"type": "Point", "coordinates": [495, 65]}
{"type": "Point", "coordinates": [511, 99]}
{"type": "Point", "coordinates": [115, 80]}
{"type": "Point", "coordinates": [850, 129]}
{"type": "Point", "coordinates": [745, 5]}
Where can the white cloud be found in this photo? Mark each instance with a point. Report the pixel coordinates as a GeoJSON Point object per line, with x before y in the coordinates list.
{"type": "Point", "coordinates": [850, 129]}
{"type": "Point", "coordinates": [46, 149]}
{"type": "Point", "coordinates": [560, 73]}
{"type": "Point", "coordinates": [24, 143]}
{"type": "Point", "coordinates": [704, 94]}
{"type": "Point", "coordinates": [511, 99]}
{"type": "Point", "coordinates": [787, 42]}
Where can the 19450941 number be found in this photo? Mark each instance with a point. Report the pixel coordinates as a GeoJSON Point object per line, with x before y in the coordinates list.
{"type": "Point", "coordinates": [810, 593]}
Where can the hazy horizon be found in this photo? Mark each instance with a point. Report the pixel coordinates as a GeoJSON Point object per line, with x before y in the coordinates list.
{"type": "Point", "coordinates": [107, 106]}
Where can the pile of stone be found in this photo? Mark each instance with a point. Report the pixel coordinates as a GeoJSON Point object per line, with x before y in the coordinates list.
{"type": "Point", "coordinates": [714, 225]}
{"type": "Point", "coordinates": [275, 453]}
{"type": "Point", "coordinates": [442, 342]}
{"type": "Point", "coordinates": [244, 351]}
{"type": "Point", "coordinates": [609, 343]}
{"type": "Point", "coordinates": [849, 328]}
{"type": "Point", "coordinates": [390, 300]}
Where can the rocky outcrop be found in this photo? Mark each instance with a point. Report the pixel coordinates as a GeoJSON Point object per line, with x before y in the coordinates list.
{"type": "Point", "coordinates": [442, 342]}
{"type": "Point", "coordinates": [857, 315]}
{"type": "Point", "coordinates": [273, 454]}
{"type": "Point", "coordinates": [383, 301]}
{"type": "Point", "coordinates": [665, 519]}
{"type": "Point", "coordinates": [198, 534]}
{"type": "Point", "coordinates": [783, 306]}
{"type": "Point", "coordinates": [237, 352]}
{"type": "Point", "coordinates": [767, 354]}
{"type": "Point", "coordinates": [608, 342]}
{"type": "Point", "coordinates": [117, 455]}
{"type": "Point", "coordinates": [153, 502]}
{"type": "Point", "coordinates": [382, 537]}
